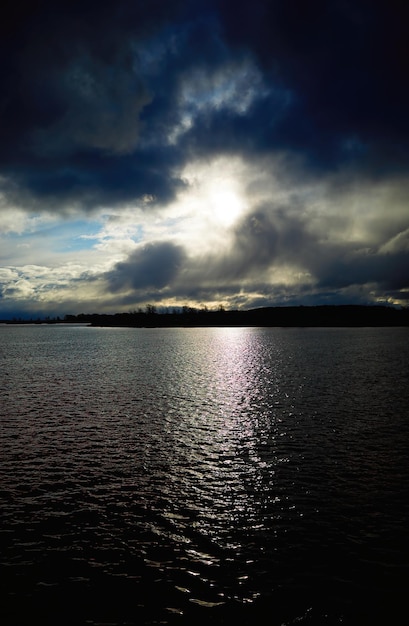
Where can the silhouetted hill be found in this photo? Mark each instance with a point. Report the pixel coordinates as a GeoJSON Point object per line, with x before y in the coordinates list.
{"type": "Point", "coordinates": [343, 315]}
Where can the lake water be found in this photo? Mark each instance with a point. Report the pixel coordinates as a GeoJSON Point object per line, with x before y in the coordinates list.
{"type": "Point", "coordinates": [204, 476]}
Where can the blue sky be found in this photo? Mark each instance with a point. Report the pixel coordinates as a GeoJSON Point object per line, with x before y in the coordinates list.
{"type": "Point", "coordinates": [190, 152]}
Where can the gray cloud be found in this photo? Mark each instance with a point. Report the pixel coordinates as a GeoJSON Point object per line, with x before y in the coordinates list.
{"type": "Point", "coordinates": [155, 265]}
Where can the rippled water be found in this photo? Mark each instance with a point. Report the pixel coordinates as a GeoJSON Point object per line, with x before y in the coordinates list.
{"type": "Point", "coordinates": [204, 476]}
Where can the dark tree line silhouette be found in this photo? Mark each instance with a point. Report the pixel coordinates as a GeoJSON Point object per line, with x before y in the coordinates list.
{"type": "Point", "coordinates": [342, 315]}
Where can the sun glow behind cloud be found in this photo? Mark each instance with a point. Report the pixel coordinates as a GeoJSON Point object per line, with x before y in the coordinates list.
{"type": "Point", "coordinates": [214, 198]}
{"type": "Point", "coordinates": [226, 205]}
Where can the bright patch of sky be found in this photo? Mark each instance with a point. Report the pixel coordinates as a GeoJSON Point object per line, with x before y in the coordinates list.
{"type": "Point", "coordinates": [119, 234]}
{"type": "Point", "coordinates": [61, 237]}
{"type": "Point", "coordinates": [74, 236]}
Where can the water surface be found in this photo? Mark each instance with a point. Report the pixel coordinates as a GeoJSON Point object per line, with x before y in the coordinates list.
{"type": "Point", "coordinates": [200, 476]}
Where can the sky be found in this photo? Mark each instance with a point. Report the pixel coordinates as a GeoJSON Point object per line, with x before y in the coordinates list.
{"type": "Point", "coordinates": [203, 153]}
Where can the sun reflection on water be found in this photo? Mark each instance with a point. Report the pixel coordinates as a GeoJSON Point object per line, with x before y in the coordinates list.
{"type": "Point", "coordinates": [231, 434]}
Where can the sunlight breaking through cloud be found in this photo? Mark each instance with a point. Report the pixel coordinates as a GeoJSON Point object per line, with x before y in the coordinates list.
{"type": "Point", "coordinates": [234, 143]}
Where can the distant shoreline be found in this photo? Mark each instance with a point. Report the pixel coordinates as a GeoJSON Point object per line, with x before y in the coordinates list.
{"type": "Point", "coordinates": [293, 316]}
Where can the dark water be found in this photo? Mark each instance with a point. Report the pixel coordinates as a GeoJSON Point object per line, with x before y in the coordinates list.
{"type": "Point", "coordinates": [204, 476]}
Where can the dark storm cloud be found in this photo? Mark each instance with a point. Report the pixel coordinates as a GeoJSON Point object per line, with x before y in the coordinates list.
{"type": "Point", "coordinates": [94, 179]}
{"type": "Point", "coordinates": [388, 271]}
{"type": "Point", "coordinates": [155, 265]}
{"type": "Point", "coordinates": [91, 91]}
{"type": "Point", "coordinates": [346, 63]}
{"type": "Point", "coordinates": [72, 98]}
